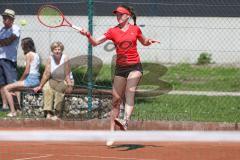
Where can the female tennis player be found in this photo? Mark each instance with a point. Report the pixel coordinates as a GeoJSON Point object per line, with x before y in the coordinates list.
{"type": "Point", "coordinates": [128, 70]}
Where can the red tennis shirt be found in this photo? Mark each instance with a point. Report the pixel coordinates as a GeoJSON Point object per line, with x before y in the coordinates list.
{"type": "Point", "coordinates": [125, 43]}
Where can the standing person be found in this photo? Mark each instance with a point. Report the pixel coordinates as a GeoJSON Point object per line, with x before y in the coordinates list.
{"type": "Point", "coordinates": [128, 70]}
{"type": "Point", "coordinates": [57, 79]}
{"type": "Point", "coordinates": [30, 76]}
{"type": "Point", "coordinates": [9, 39]}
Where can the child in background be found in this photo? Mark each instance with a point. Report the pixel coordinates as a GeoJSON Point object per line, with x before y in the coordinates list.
{"type": "Point", "coordinates": [30, 76]}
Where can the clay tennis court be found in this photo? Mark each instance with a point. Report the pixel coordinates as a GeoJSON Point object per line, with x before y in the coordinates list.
{"type": "Point", "coordinates": [130, 150]}
{"type": "Point", "coordinates": [120, 151]}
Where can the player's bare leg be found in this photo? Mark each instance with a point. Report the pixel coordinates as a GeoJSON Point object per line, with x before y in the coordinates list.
{"type": "Point", "coordinates": [118, 90]}
{"type": "Point", "coordinates": [131, 86]}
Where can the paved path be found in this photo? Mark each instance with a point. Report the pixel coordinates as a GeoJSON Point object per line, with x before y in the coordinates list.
{"type": "Point", "coordinates": [204, 93]}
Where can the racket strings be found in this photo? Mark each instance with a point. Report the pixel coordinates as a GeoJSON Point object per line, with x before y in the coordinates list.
{"type": "Point", "coordinates": [50, 16]}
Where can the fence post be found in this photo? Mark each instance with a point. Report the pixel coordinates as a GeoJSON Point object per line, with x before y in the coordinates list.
{"type": "Point", "coordinates": [90, 28]}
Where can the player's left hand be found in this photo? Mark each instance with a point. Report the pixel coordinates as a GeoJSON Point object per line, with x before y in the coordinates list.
{"type": "Point", "coordinates": [153, 41]}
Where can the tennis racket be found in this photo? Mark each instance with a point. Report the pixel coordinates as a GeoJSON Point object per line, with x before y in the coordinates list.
{"type": "Point", "coordinates": [51, 16]}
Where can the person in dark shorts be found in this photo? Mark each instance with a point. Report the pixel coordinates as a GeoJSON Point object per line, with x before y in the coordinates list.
{"type": "Point", "coordinates": [9, 40]}
{"type": "Point", "coordinates": [128, 70]}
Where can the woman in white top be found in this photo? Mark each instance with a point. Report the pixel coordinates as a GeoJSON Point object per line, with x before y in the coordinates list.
{"type": "Point", "coordinates": [30, 76]}
{"type": "Point", "coordinates": [56, 81]}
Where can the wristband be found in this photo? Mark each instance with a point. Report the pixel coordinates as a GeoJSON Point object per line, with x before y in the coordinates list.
{"type": "Point", "coordinates": [88, 34]}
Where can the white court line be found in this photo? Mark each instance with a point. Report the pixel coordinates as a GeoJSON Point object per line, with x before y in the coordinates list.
{"type": "Point", "coordinates": [101, 157]}
{"type": "Point", "coordinates": [38, 157]}
{"type": "Point", "coordinates": [82, 156]}
{"type": "Point", "coordinates": [139, 136]}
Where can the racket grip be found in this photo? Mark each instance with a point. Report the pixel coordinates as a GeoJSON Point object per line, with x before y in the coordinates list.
{"type": "Point", "coordinates": [76, 27]}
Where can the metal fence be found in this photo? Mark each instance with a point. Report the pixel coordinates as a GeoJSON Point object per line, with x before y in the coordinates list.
{"type": "Point", "coordinates": [186, 30]}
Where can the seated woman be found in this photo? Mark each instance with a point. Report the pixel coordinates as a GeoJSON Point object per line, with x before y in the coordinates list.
{"type": "Point", "coordinates": [56, 81]}
{"type": "Point", "coordinates": [30, 76]}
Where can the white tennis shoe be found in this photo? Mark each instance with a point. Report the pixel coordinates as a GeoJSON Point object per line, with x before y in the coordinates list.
{"type": "Point", "coordinates": [121, 123]}
{"type": "Point", "coordinates": [109, 143]}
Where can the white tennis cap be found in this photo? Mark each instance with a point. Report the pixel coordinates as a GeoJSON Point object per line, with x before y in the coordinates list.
{"type": "Point", "coordinates": [9, 12]}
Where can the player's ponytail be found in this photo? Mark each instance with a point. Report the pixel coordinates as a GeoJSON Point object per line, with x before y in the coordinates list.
{"type": "Point", "coordinates": [134, 18]}
{"type": "Point", "coordinates": [131, 10]}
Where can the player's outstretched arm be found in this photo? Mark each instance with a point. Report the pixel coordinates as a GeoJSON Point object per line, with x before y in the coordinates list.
{"type": "Point", "coordinates": [147, 41]}
{"type": "Point", "coordinates": [93, 40]}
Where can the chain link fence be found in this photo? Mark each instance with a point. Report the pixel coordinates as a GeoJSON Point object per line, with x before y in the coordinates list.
{"type": "Point", "coordinates": [189, 32]}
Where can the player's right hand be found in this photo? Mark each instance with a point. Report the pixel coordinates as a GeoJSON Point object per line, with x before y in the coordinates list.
{"type": "Point", "coordinates": [85, 32]}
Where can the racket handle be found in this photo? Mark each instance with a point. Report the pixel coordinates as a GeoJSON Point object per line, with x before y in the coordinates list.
{"type": "Point", "coordinates": [76, 27]}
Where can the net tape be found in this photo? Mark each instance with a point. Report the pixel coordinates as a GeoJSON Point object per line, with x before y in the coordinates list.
{"type": "Point", "coordinates": [148, 136]}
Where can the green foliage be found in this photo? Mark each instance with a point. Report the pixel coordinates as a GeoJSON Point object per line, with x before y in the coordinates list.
{"type": "Point", "coordinates": [78, 75]}
{"type": "Point", "coordinates": [188, 108]}
{"type": "Point", "coordinates": [204, 58]}
{"type": "Point", "coordinates": [182, 107]}
{"type": "Point", "coordinates": [181, 77]}
{"type": "Point", "coordinates": [203, 78]}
